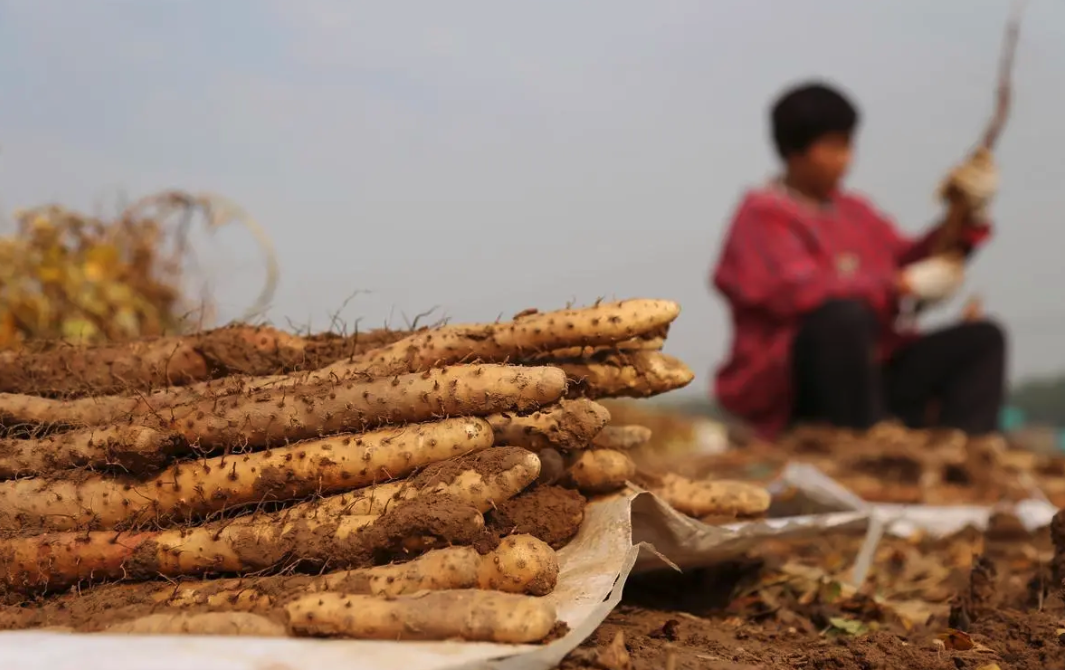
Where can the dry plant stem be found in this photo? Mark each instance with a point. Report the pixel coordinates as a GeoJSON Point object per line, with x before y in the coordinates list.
{"type": "Point", "coordinates": [482, 480]}
{"type": "Point", "coordinates": [200, 623]}
{"type": "Point", "coordinates": [622, 438]}
{"type": "Point", "coordinates": [253, 544]}
{"type": "Point", "coordinates": [125, 448]}
{"type": "Point", "coordinates": [638, 375]}
{"type": "Point", "coordinates": [263, 417]}
{"type": "Point", "coordinates": [569, 425]}
{"type": "Point", "coordinates": [528, 334]}
{"type": "Point", "coordinates": [600, 470]}
{"type": "Point", "coordinates": [194, 489]}
{"type": "Point", "coordinates": [717, 498]}
{"type": "Point", "coordinates": [471, 615]}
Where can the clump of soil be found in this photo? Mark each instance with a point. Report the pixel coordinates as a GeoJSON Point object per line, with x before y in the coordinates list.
{"type": "Point", "coordinates": [550, 513]}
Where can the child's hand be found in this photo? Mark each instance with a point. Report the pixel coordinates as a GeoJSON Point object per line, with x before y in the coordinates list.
{"type": "Point", "coordinates": [932, 279]}
{"type": "Point", "coordinates": [976, 180]}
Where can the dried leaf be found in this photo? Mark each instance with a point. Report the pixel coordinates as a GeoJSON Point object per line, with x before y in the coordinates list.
{"type": "Point", "coordinates": [848, 626]}
{"type": "Point", "coordinates": [956, 640]}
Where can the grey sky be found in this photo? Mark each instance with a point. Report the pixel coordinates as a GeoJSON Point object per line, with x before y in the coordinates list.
{"type": "Point", "coordinates": [486, 156]}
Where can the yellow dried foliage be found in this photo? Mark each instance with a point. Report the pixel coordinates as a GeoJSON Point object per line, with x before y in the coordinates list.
{"type": "Point", "coordinates": [66, 276]}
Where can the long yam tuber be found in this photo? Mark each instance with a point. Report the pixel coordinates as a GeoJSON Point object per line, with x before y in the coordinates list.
{"type": "Point", "coordinates": [571, 424]}
{"type": "Point", "coordinates": [640, 374]}
{"type": "Point", "coordinates": [130, 449]}
{"type": "Point", "coordinates": [472, 615]}
{"type": "Point", "coordinates": [248, 544]}
{"type": "Point", "coordinates": [312, 410]}
{"type": "Point", "coordinates": [197, 488]}
{"type": "Point", "coordinates": [481, 479]}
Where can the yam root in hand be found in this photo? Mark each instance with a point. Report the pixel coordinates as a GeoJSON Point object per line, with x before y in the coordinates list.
{"type": "Point", "coordinates": [471, 615]}
{"type": "Point", "coordinates": [600, 470]}
{"type": "Point", "coordinates": [482, 480]}
{"type": "Point", "coordinates": [148, 364]}
{"type": "Point", "coordinates": [200, 623]}
{"type": "Point", "coordinates": [622, 438]}
{"type": "Point", "coordinates": [129, 449]}
{"type": "Point", "coordinates": [312, 410]}
{"type": "Point", "coordinates": [637, 375]}
{"type": "Point", "coordinates": [570, 424]}
{"type": "Point", "coordinates": [248, 544]}
{"type": "Point", "coordinates": [718, 498]}
{"type": "Point", "coordinates": [194, 489]}
{"type": "Point", "coordinates": [530, 332]}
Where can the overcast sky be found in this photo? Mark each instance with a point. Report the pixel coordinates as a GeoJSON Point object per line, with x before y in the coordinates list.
{"type": "Point", "coordinates": [484, 156]}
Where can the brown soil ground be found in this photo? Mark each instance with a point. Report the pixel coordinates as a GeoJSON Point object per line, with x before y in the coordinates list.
{"type": "Point", "coordinates": [786, 606]}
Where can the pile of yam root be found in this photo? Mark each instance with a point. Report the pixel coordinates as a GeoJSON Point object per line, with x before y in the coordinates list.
{"type": "Point", "coordinates": [246, 481]}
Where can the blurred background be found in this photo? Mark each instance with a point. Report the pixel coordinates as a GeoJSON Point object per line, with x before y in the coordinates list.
{"type": "Point", "coordinates": [471, 156]}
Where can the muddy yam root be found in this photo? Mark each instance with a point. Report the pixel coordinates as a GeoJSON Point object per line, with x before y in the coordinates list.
{"type": "Point", "coordinates": [197, 488]}
{"type": "Point", "coordinates": [250, 544]}
{"type": "Point", "coordinates": [312, 410]}
{"type": "Point", "coordinates": [622, 438]}
{"type": "Point", "coordinates": [129, 449]}
{"type": "Point", "coordinates": [600, 470]}
{"type": "Point", "coordinates": [712, 498]}
{"type": "Point", "coordinates": [530, 332]}
{"type": "Point", "coordinates": [482, 480]}
{"type": "Point", "coordinates": [638, 375]}
{"type": "Point", "coordinates": [569, 425]}
{"type": "Point", "coordinates": [200, 623]}
{"type": "Point", "coordinates": [474, 616]}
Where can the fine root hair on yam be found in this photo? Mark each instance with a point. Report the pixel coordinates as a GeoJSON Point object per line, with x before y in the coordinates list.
{"type": "Point", "coordinates": [641, 374]}
{"type": "Point", "coordinates": [247, 545]}
{"type": "Point", "coordinates": [571, 424]}
{"type": "Point", "coordinates": [471, 615]}
{"type": "Point", "coordinates": [200, 623]}
{"type": "Point", "coordinates": [308, 411]}
{"type": "Point", "coordinates": [600, 470]}
{"type": "Point", "coordinates": [482, 480]}
{"type": "Point", "coordinates": [197, 488]}
{"type": "Point", "coordinates": [702, 498]}
{"type": "Point", "coordinates": [530, 332]}
{"type": "Point", "coordinates": [129, 449]}
{"type": "Point", "coordinates": [622, 438]}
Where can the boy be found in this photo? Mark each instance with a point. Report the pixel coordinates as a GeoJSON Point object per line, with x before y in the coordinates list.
{"type": "Point", "coordinates": [814, 277]}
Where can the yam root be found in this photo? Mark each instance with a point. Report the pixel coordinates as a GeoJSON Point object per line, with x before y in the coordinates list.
{"type": "Point", "coordinates": [129, 449]}
{"type": "Point", "coordinates": [482, 480]}
{"type": "Point", "coordinates": [145, 364]}
{"type": "Point", "coordinates": [703, 498]}
{"type": "Point", "coordinates": [249, 544]}
{"type": "Point", "coordinates": [267, 416]}
{"type": "Point", "coordinates": [638, 375]}
{"type": "Point", "coordinates": [471, 615]}
{"type": "Point", "coordinates": [600, 470]}
{"type": "Point", "coordinates": [200, 623]}
{"type": "Point", "coordinates": [569, 353]}
{"type": "Point", "coordinates": [530, 332]}
{"type": "Point", "coordinates": [520, 564]}
{"type": "Point", "coordinates": [197, 488]}
{"type": "Point", "coordinates": [570, 424]}
{"type": "Point", "coordinates": [622, 438]}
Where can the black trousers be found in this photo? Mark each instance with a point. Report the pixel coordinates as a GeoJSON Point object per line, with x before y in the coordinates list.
{"type": "Point", "coordinates": [837, 380]}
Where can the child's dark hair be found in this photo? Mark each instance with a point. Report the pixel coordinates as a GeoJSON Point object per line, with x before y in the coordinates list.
{"type": "Point", "coordinates": [808, 112]}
